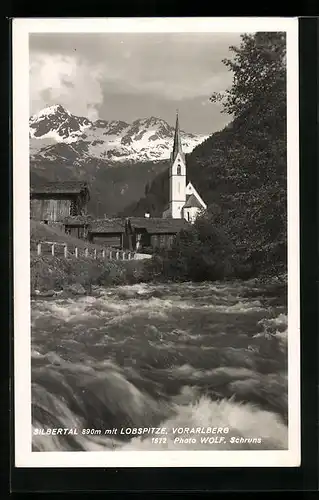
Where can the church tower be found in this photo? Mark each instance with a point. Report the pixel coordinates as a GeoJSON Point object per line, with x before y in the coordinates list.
{"type": "Point", "coordinates": [177, 177]}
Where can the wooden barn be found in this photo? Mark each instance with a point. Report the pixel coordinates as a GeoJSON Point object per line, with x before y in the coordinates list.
{"type": "Point", "coordinates": [151, 233]}
{"type": "Point", "coordinates": [77, 225]}
{"type": "Point", "coordinates": [54, 201]}
{"type": "Point", "coordinates": [108, 232]}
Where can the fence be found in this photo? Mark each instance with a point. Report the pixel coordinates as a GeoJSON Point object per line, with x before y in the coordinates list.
{"type": "Point", "coordinates": [64, 250]}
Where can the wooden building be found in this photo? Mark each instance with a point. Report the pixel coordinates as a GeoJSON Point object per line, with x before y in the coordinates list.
{"type": "Point", "coordinates": [54, 201]}
{"type": "Point", "coordinates": [108, 232]}
{"type": "Point", "coordinates": [133, 233]}
{"type": "Point", "coordinates": [151, 233]}
{"type": "Point", "coordinates": [77, 226]}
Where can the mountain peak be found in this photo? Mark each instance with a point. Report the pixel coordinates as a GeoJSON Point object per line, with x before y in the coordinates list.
{"type": "Point", "coordinates": [145, 139]}
{"type": "Point", "coordinates": [58, 124]}
{"type": "Point", "coordinates": [49, 111]}
{"type": "Point", "coordinates": [149, 121]}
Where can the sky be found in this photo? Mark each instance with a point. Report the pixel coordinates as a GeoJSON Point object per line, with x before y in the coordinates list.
{"type": "Point", "coordinates": [126, 76]}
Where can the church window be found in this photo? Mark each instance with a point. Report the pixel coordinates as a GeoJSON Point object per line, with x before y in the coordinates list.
{"type": "Point", "coordinates": [178, 170]}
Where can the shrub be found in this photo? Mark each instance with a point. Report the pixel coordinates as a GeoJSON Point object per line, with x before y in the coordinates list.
{"type": "Point", "coordinates": [123, 273]}
{"type": "Point", "coordinates": [202, 252]}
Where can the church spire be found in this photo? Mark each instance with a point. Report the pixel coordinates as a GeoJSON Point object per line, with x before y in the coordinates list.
{"type": "Point", "coordinates": [177, 147]}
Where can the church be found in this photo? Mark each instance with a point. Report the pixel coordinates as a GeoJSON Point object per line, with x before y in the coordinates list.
{"type": "Point", "coordinates": [184, 200]}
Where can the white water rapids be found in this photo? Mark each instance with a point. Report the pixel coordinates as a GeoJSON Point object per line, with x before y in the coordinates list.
{"type": "Point", "coordinates": [189, 356]}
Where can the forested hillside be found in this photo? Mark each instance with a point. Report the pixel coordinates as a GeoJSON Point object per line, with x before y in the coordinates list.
{"type": "Point", "coordinates": [241, 171]}
{"type": "Point", "coordinates": [112, 187]}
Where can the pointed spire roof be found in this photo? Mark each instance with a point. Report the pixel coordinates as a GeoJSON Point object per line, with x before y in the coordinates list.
{"type": "Point", "coordinates": [177, 147]}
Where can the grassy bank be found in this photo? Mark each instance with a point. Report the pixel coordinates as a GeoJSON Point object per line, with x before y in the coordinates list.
{"type": "Point", "coordinates": [55, 273]}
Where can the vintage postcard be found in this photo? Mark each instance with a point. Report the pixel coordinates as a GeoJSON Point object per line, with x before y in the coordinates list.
{"type": "Point", "coordinates": [156, 242]}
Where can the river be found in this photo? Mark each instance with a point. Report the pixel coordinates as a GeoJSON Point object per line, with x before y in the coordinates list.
{"type": "Point", "coordinates": [190, 361]}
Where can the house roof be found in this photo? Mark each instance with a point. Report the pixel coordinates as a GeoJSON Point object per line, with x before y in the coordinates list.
{"type": "Point", "coordinates": [77, 220]}
{"type": "Point", "coordinates": [192, 201]}
{"type": "Point", "coordinates": [112, 225]}
{"type": "Point", "coordinates": [157, 225]}
{"type": "Point", "coordinates": [61, 187]}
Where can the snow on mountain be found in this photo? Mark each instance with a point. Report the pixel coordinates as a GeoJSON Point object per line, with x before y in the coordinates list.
{"type": "Point", "coordinates": [54, 130]}
{"type": "Point", "coordinates": [57, 123]}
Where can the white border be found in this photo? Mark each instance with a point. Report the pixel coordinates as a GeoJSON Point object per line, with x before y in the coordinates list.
{"type": "Point", "coordinates": [24, 457]}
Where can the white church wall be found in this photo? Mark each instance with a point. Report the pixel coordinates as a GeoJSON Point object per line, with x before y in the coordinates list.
{"type": "Point", "coordinates": [176, 209]}
{"type": "Point", "coordinates": [179, 161]}
{"type": "Point", "coordinates": [190, 214]}
{"type": "Point", "coordinates": [177, 187]}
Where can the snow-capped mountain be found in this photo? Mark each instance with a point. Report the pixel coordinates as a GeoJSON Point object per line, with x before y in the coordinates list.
{"type": "Point", "coordinates": [57, 134]}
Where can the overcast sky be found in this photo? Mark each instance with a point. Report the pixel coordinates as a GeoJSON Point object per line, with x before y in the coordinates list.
{"type": "Point", "coordinates": [127, 76]}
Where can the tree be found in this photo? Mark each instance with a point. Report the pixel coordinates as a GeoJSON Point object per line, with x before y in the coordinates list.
{"type": "Point", "coordinates": [259, 71]}
{"type": "Point", "coordinates": [201, 252]}
{"type": "Point", "coordinates": [256, 153]}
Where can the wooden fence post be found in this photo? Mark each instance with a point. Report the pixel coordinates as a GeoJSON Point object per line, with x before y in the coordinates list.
{"type": "Point", "coordinates": [76, 252]}
{"type": "Point", "coordinates": [52, 249]}
{"type": "Point", "coordinates": [39, 248]}
{"type": "Point", "coordinates": [86, 252]}
{"type": "Point", "coordinates": [65, 251]}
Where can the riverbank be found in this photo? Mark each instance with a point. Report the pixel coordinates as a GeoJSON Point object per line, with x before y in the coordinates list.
{"type": "Point", "coordinates": [76, 274]}
{"type": "Point", "coordinates": [51, 274]}
{"type": "Point", "coordinates": [198, 255]}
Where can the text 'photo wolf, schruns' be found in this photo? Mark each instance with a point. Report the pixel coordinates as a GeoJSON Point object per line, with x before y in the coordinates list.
{"type": "Point", "coordinates": [158, 206]}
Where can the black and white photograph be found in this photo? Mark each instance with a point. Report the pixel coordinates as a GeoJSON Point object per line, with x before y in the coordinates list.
{"type": "Point", "coordinates": [156, 242]}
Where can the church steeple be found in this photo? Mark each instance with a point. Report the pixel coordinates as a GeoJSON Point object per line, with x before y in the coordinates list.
{"type": "Point", "coordinates": [177, 176]}
{"type": "Point", "coordinates": [177, 147]}
{"type": "Point", "coordinates": [184, 201]}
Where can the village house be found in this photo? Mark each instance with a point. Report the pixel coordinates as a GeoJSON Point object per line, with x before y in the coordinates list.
{"type": "Point", "coordinates": [109, 232]}
{"type": "Point", "coordinates": [77, 225]}
{"type": "Point", "coordinates": [52, 202]}
{"type": "Point", "coordinates": [152, 232]}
